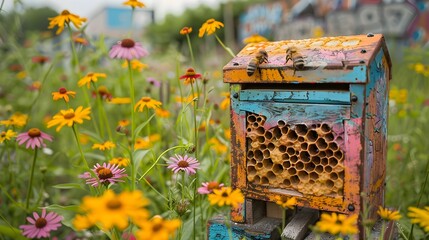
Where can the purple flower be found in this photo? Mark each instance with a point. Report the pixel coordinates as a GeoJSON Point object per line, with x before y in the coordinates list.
{"type": "Point", "coordinates": [105, 174]}
{"type": "Point", "coordinates": [41, 225]}
{"type": "Point", "coordinates": [207, 187]}
{"type": "Point", "coordinates": [185, 163]}
{"type": "Point", "coordinates": [153, 82]}
{"type": "Point", "coordinates": [127, 49]}
{"type": "Point", "coordinates": [34, 138]}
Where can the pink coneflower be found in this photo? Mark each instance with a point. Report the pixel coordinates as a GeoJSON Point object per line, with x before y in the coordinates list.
{"type": "Point", "coordinates": [34, 138]}
{"type": "Point", "coordinates": [41, 226]}
{"type": "Point", "coordinates": [153, 82]}
{"type": "Point", "coordinates": [207, 187]}
{"type": "Point", "coordinates": [105, 174]}
{"type": "Point", "coordinates": [127, 49]}
{"type": "Point", "coordinates": [184, 163]}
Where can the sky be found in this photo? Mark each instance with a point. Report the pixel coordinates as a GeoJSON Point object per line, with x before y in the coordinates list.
{"type": "Point", "coordinates": [86, 8]}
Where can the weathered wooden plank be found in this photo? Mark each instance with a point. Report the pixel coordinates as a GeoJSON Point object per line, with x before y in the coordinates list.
{"type": "Point", "coordinates": [311, 96]}
{"type": "Point", "coordinates": [297, 228]}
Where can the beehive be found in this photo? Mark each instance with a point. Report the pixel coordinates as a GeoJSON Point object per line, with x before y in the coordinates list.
{"type": "Point", "coordinates": [317, 133]}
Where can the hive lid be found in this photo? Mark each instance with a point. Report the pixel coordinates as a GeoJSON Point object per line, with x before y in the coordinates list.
{"type": "Point", "coordinates": [328, 59]}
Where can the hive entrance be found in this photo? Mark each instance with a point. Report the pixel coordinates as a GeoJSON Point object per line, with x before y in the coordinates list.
{"type": "Point", "coordinates": [304, 157]}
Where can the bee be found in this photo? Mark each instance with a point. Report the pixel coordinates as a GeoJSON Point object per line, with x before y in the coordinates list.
{"type": "Point", "coordinates": [260, 57]}
{"type": "Point", "coordinates": [296, 57]}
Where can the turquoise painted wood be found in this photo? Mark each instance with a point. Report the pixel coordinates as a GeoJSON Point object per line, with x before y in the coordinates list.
{"type": "Point", "coordinates": [311, 96]}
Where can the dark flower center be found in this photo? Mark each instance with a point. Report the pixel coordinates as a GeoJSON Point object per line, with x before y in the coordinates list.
{"type": "Point", "coordinates": [3, 134]}
{"type": "Point", "coordinates": [156, 227]}
{"type": "Point", "coordinates": [225, 194]}
{"type": "Point", "coordinates": [210, 21]}
{"type": "Point", "coordinates": [104, 173]}
{"type": "Point", "coordinates": [127, 43]}
{"type": "Point", "coordinates": [190, 72]}
{"type": "Point", "coordinates": [62, 90]}
{"type": "Point", "coordinates": [69, 115]}
{"type": "Point", "coordinates": [90, 74]}
{"type": "Point", "coordinates": [34, 132]}
{"type": "Point", "coordinates": [41, 223]}
{"type": "Point", "coordinates": [212, 185]}
{"type": "Point", "coordinates": [65, 12]}
{"type": "Point", "coordinates": [114, 204]}
{"type": "Point", "coordinates": [183, 164]}
{"type": "Point", "coordinates": [145, 99]}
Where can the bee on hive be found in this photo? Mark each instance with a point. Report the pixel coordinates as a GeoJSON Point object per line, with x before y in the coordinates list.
{"type": "Point", "coordinates": [297, 58]}
{"type": "Point", "coordinates": [260, 57]}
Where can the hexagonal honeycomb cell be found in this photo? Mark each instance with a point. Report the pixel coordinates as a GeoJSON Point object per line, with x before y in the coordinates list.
{"type": "Point", "coordinates": [303, 157]}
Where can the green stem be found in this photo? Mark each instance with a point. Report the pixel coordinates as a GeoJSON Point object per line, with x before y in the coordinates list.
{"type": "Point", "coordinates": [80, 147]}
{"type": "Point", "coordinates": [225, 47]}
{"type": "Point", "coordinates": [157, 160]}
{"type": "Point", "coordinates": [30, 185]}
{"type": "Point", "coordinates": [190, 49]}
{"type": "Point", "coordinates": [133, 126]}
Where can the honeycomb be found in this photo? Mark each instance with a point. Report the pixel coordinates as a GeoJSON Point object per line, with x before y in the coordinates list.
{"type": "Point", "coordinates": [303, 157]}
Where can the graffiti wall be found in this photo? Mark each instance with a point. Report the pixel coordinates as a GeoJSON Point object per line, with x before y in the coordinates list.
{"type": "Point", "coordinates": [293, 19]}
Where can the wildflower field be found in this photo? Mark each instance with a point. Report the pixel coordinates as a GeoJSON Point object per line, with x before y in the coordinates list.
{"type": "Point", "coordinates": [119, 139]}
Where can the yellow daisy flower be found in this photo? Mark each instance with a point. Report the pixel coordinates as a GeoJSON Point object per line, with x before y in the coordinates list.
{"type": "Point", "coordinates": [7, 135]}
{"type": "Point", "coordinates": [216, 145]}
{"type": "Point", "coordinates": [107, 145]}
{"type": "Point", "coordinates": [388, 215]}
{"type": "Point", "coordinates": [148, 103]}
{"type": "Point", "coordinates": [134, 3]}
{"type": "Point", "coordinates": [70, 117]}
{"type": "Point", "coordinates": [209, 27]}
{"type": "Point", "coordinates": [162, 113]}
{"type": "Point", "coordinates": [65, 18]}
{"type": "Point", "coordinates": [419, 216]}
{"type": "Point", "coordinates": [226, 196]}
{"type": "Point", "coordinates": [120, 161]}
{"type": "Point", "coordinates": [337, 224]}
{"type": "Point", "coordinates": [286, 202]}
{"type": "Point", "coordinates": [16, 120]}
{"type": "Point", "coordinates": [227, 133]}
{"type": "Point", "coordinates": [118, 100]}
{"type": "Point", "coordinates": [254, 38]}
{"type": "Point", "coordinates": [135, 65]}
{"type": "Point", "coordinates": [90, 77]}
{"type": "Point", "coordinates": [146, 142]}
{"type": "Point", "coordinates": [157, 228]}
{"type": "Point", "coordinates": [186, 100]}
{"type": "Point", "coordinates": [63, 94]}
{"type": "Point", "coordinates": [123, 122]}
{"type": "Point", "coordinates": [224, 105]}
{"type": "Point", "coordinates": [185, 30]}
{"type": "Point", "coordinates": [21, 75]}
{"type": "Point", "coordinates": [419, 68]}
{"type": "Point", "coordinates": [111, 210]}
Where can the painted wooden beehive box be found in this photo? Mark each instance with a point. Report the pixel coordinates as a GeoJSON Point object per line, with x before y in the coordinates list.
{"type": "Point", "coordinates": [310, 123]}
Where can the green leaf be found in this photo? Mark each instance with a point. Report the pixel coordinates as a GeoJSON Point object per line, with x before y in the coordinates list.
{"type": "Point", "coordinates": [68, 186]}
{"type": "Point", "coordinates": [142, 125]}
{"type": "Point", "coordinates": [11, 232]}
{"type": "Point", "coordinates": [138, 156]}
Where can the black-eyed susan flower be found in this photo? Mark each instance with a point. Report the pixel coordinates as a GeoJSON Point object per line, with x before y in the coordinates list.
{"type": "Point", "coordinates": [70, 117]}
{"type": "Point", "coordinates": [224, 105]}
{"type": "Point", "coordinates": [419, 216]}
{"type": "Point", "coordinates": [186, 100]}
{"type": "Point", "coordinates": [34, 138]}
{"type": "Point", "coordinates": [89, 78]}
{"type": "Point", "coordinates": [64, 19]}
{"type": "Point", "coordinates": [190, 76]}
{"type": "Point", "coordinates": [7, 135]}
{"type": "Point", "coordinates": [135, 65]}
{"type": "Point", "coordinates": [146, 142]}
{"type": "Point", "coordinates": [16, 120]}
{"type": "Point", "coordinates": [103, 92]}
{"type": "Point", "coordinates": [209, 27]}
{"type": "Point", "coordinates": [285, 202]}
{"type": "Point", "coordinates": [134, 3]}
{"type": "Point", "coordinates": [216, 145]}
{"type": "Point", "coordinates": [388, 215]}
{"type": "Point", "coordinates": [185, 30]}
{"type": "Point", "coordinates": [40, 59]}
{"type": "Point", "coordinates": [254, 38]}
{"type": "Point", "coordinates": [63, 93]}
{"type": "Point", "coordinates": [162, 113]}
{"type": "Point", "coordinates": [337, 224]}
{"type": "Point", "coordinates": [208, 187]}
{"type": "Point", "coordinates": [107, 145]}
{"type": "Point", "coordinates": [123, 122]}
{"type": "Point", "coordinates": [183, 163]}
{"type": "Point", "coordinates": [147, 102]}
{"type": "Point", "coordinates": [226, 196]}
{"type": "Point", "coordinates": [127, 49]}
{"type": "Point", "coordinates": [120, 161]}
{"type": "Point", "coordinates": [157, 228]}
{"type": "Point", "coordinates": [105, 174]}
{"type": "Point", "coordinates": [112, 210]}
